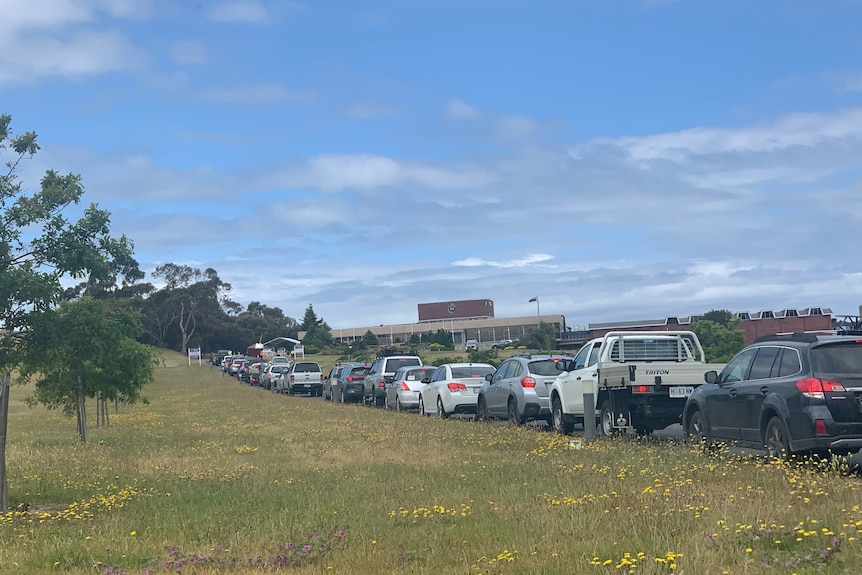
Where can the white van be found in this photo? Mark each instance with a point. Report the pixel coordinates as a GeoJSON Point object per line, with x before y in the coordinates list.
{"type": "Point", "coordinates": [472, 344]}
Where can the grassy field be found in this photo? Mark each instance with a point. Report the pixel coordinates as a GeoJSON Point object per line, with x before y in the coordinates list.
{"type": "Point", "coordinates": [214, 476]}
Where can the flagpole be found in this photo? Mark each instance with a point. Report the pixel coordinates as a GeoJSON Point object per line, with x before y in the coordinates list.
{"type": "Point", "coordinates": [538, 314]}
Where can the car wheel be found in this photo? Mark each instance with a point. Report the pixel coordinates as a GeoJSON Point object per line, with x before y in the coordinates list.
{"type": "Point", "coordinates": [441, 411]}
{"type": "Point", "coordinates": [607, 420]}
{"type": "Point", "coordinates": [398, 406]}
{"type": "Point", "coordinates": [512, 412]}
{"type": "Point", "coordinates": [422, 406]}
{"type": "Point", "coordinates": [558, 422]}
{"type": "Point", "coordinates": [386, 403]}
{"type": "Point", "coordinates": [777, 439]}
{"type": "Point", "coordinates": [481, 409]}
{"type": "Point", "coordinates": [696, 431]}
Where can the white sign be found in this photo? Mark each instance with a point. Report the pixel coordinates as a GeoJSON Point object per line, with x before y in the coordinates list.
{"type": "Point", "coordinates": [194, 353]}
{"type": "Point", "coordinates": [299, 349]}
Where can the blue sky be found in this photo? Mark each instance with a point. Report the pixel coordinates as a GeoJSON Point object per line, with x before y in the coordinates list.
{"type": "Point", "coordinates": [623, 160]}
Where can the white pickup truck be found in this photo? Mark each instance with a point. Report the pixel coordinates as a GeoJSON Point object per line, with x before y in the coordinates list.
{"type": "Point", "coordinates": [639, 379]}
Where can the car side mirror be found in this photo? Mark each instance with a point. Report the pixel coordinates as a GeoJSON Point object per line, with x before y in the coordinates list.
{"type": "Point", "coordinates": [710, 376]}
{"type": "Point", "coordinates": [426, 380]}
{"type": "Point", "coordinates": [489, 376]}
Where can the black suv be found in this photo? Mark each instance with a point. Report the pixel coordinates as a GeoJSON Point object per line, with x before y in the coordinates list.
{"type": "Point", "coordinates": [794, 393]}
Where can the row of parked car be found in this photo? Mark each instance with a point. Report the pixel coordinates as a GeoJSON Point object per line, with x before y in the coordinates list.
{"type": "Point", "coordinates": [278, 373]}
{"type": "Point", "coordinates": [516, 390]}
{"type": "Point", "coordinates": [788, 393]}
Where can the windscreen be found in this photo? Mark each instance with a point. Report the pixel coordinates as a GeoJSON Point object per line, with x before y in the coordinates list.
{"type": "Point", "coordinates": [306, 366]}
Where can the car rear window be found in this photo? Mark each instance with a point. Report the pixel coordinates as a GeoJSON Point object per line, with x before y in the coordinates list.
{"type": "Point", "coordinates": [477, 371]}
{"type": "Point", "coordinates": [545, 367]}
{"type": "Point", "coordinates": [279, 368]}
{"type": "Point", "coordinates": [837, 358]}
{"type": "Point", "coordinates": [394, 364]}
{"type": "Point", "coordinates": [362, 370]}
{"type": "Point", "coordinates": [306, 366]}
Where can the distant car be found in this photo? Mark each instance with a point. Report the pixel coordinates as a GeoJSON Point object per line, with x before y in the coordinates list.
{"type": "Point", "coordinates": [350, 386]}
{"type": "Point", "coordinates": [303, 377]}
{"type": "Point", "coordinates": [403, 392]}
{"type": "Point", "coordinates": [271, 373]}
{"type": "Point", "coordinates": [518, 391]}
{"type": "Point", "coordinates": [453, 388]}
{"type": "Point", "coordinates": [381, 373]}
{"type": "Point", "coordinates": [472, 344]}
{"type": "Point", "coordinates": [790, 394]}
{"type": "Point", "coordinates": [330, 380]}
{"type": "Point", "coordinates": [502, 344]}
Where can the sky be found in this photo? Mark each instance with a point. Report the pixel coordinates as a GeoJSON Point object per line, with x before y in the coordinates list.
{"type": "Point", "coordinates": [625, 159]}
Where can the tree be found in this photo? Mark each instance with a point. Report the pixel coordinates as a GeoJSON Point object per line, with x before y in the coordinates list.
{"type": "Point", "coordinates": [187, 294]}
{"type": "Point", "coordinates": [543, 337]}
{"type": "Point", "coordinates": [720, 343]}
{"type": "Point", "coordinates": [39, 245]}
{"type": "Point", "coordinates": [369, 338]}
{"type": "Point", "coordinates": [719, 316]}
{"type": "Point", "coordinates": [82, 350]}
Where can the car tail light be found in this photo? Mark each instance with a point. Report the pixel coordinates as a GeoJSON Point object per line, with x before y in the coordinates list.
{"type": "Point", "coordinates": [819, 427]}
{"type": "Point", "coordinates": [381, 383]}
{"type": "Point", "coordinates": [814, 388]}
{"type": "Point", "coordinates": [528, 381]}
{"type": "Point", "coordinates": [404, 387]}
{"type": "Point", "coordinates": [642, 389]}
{"type": "Point", "coordinates": [351, 378]}
{"type": "Point", "coordinates": [456, 386]}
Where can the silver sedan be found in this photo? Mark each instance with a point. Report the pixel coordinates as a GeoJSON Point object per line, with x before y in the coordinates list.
{"type": "Point", "coordinates": [403, 392]}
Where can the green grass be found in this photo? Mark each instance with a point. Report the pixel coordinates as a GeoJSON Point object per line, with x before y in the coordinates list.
{"type": "Point", "coordinates": [229, 475]}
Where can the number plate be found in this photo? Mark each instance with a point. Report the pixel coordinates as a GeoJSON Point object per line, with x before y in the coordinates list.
{"type": "Point", "coordinates": [680, 391]}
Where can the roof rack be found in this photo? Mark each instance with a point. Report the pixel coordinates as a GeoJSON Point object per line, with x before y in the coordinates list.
{"type": "Point", "coordinates": [801, 336]}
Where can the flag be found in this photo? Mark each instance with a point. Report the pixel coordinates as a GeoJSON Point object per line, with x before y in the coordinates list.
{"type": "Point", "coordinates": [534, 298]}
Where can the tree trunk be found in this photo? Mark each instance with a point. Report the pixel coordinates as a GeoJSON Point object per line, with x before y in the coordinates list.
{"type": "Point", "coordinates": [4, 418]}
{"type": "Point", "coordinates": [82, 412]}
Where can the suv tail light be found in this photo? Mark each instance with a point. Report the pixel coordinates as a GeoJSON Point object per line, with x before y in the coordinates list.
{"type": "Point", "coordinates": [456, 386]}
{"type": "Point", "coordinates": [528, 381]}
{"type": "Point", "coordinates": [352, 378]}
{"type": "Point", "coordinates": [381, 383]}
{"type": "Point", "coordinates": [815, 388]}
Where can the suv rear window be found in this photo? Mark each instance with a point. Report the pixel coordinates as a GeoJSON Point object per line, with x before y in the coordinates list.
{"type": "Point", "coordinates": [394, 364]}
{"type": "Point", "coordinates": [363, 370]}
{"type": "Point", "coordinates": [478, 371]}
{"type": "Point", "coordinates": [306, 366]}
{"type": "Point", "coordinates": [545, 367]}
{"type": "Point", "coordinates": [837, 358]}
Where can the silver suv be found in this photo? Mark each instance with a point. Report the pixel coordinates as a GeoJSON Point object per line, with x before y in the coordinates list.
{"type": "Point", "coordinates": [382, 371]}
{"type": "Point", "coordinates": [518, 390]}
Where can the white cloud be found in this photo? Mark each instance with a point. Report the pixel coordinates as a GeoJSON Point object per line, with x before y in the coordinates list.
{"type": "Point", "coordinates": [461, 110]}
{"type": "Point", "coordinates": [513, 263]}
{"type": "Point", "coordinates": [809, 129]}
{"type": "Point", "coordinates": [248, 11]}
{"type": "Point", "coordinates": [47, 38]}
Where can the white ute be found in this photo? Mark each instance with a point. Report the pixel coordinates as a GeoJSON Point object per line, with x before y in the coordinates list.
{"type": "Point", "coordinates": [639, 379]}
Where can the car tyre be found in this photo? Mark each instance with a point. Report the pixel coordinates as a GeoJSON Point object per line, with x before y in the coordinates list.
{"type": "Point", "coordinates": [696, 431]}
{"type": "Point", "coordinates": [558, 421]}
{"type": "Point", "coordinates": [606, 420]}
{"type": "Point", "coordinates": [777, 439]}
{"type": "Point", "coordinates": [422, 407]}
{"type": "Point", "coordinates": [441, 411]}
{"type": "Point", "coordinates": [398, 405]}
{"type": "Point", "coordinates": [482, 409]}
{"type": "Point", "coordinates": [512, 412]}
